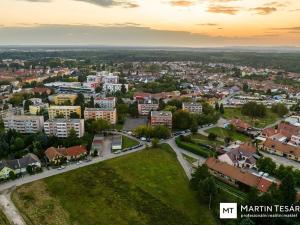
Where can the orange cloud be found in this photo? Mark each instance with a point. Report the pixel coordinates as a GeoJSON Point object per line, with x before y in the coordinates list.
{"type": "Point", "coordinates": [223, 10]}
{"type": "Point", "coordinates": [181, 3]}
{"type": "Point", "coordinates": [264, 10]}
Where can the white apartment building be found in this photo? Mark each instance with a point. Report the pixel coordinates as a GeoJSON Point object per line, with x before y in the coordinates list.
{"type": "Point", "coordinates": [111, 79]}
{"type": "Point", "coordinates": [110, 87]}
{"type": "Point", "coordinates": [61, 127]}
{"type": "Point", "coordinates": [193, 107]}
{"type": "Point", "coordinates": [106, 103]}
{"type": "Point", "coordinates": [24, 124]}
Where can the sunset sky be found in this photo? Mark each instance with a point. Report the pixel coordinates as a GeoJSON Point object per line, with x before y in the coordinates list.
{"type": "Point", "coordinates": [192, 23]}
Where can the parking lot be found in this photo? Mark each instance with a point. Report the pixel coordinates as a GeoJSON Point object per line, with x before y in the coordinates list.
{"type": "Point", "coordinates": [132, 123]}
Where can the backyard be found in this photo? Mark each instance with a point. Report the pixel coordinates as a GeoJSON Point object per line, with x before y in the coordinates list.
{"type": "Point", "coordinates": [147, 187]}
{"type": "Point", "coordinates": [235, 113]}
{"type": "Point", "coordinates": [224, 133]}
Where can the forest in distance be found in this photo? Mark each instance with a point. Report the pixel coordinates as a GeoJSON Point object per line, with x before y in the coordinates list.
{"type": "Point", "coordinates": [288, 61]}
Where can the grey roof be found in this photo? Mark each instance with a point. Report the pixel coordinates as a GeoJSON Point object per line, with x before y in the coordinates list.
{"type": "Point", "coordinates": [117, 140]}
{"type": "Point", "coordinates": [20, 163]}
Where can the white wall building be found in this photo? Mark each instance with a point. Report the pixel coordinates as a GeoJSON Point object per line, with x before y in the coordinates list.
{"type": "Point", "coordinates": [24, 124]}
{"type": "Point", "coordinates": [106, 103]}
{"type": "Point", "coordinates": [61, 127]}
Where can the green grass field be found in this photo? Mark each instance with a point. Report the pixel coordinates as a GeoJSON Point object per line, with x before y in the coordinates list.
{"type": "Point", "coordinates": [143, 188]}
{"type": "Point", "coordinates": [128, 142]}
{"type": "Point", "coordinates": [3, 219]}
{"type": "Point", "coordinates": [199, 138]}
{"type": "Point", "coordinates": [223, 133]}
{"type": "Point", "coordinates": [235, 113]}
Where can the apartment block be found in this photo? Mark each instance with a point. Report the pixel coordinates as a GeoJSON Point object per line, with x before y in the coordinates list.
{"type": "Point", "coordinates": [106, 103]}
{"type": "Point", "coordinates": [65, 111]}
{"type": "Point", "coordinates": [111, 87]}
{"type": "Point", "coordinates": [161, 118]}
{"type": "Point", "coordinates": [62, 99]}
{"type": "Point", "coordinates": [193, 107]}
{"type": "Point", "coordinates": [146, 107]}
{"type": "Point", "coordinates": [24, 124]}
{"type": "Point", "coordinates": [95, 113]}
{"type": "Point", "coordinates": [35, 109]}
{"type": "Point", "coordinates": [61, 127]}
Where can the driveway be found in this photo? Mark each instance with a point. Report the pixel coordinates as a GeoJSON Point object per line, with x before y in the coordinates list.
{"type": "Point", "coordinates": [281, 160]}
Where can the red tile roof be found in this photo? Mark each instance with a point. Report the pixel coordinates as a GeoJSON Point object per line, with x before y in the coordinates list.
{"type": "Point", "coordinates": [261, 183]}
{"type": "Point", "coordinates": [52, 153]}
{"type": "Point", "coordinates": [240, 124]}
{"type": "Point", "coordinates": [284, 148]}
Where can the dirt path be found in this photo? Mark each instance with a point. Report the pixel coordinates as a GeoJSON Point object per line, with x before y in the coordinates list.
{"type": "Point", "coordinates": [9, 209]}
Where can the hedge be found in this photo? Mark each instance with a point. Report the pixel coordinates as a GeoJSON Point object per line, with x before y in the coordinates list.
{"type": "Point", "coordinates": [198, 150]}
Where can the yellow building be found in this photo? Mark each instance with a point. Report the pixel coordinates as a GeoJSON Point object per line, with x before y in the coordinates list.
{"type": "Point", "coordinates": [34, 109]}
{"type": "Point", "coordinates": [62, 99]}
{"type": "Point", "coordinates": [63, 111]}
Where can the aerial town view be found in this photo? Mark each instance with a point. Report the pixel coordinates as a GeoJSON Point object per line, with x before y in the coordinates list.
{"type": "Point", "coordinates": [140, 112]}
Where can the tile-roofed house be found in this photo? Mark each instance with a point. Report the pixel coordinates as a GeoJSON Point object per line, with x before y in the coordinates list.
{"type": "Point", "coordinates": [57, 154]}
{"type": "Point", "coordinates": [281, 149]}
{"type": "Point", "coordinates": [18, 166]}
{"type": "Point", "coordinates": [240, 125]}
{"type": "Point", "coordinates": [242, 156]}
{"type": "Point", "coordinates": [283, 128]}
{"type": "Point", "coordinates": [234, 175]}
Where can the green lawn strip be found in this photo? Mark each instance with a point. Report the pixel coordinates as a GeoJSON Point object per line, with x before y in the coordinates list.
{"type": "Point", "coordinates": [194, 148]}
{"type": "Point", "coordinates": [143, 188]}
{"type": "Point", "coordinates": [189, 158]}
{"type": "Point", "coordinates": [199, 138]}
{"type": "Point", "coordinates": [128, 142]}
{"type": "Point", "coordinates": [223, 133]}
{"type": "Point", "coordinates": [3, 219]}
{"type": "Point", "coordinates": [235, 113]}
{"type": "Point", "coordinates": [231, 190]}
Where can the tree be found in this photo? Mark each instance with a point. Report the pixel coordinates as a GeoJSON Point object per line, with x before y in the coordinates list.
{"type": "Point", "coordinates": [254, 110]}
{"type": "Point", "coordinates": [170, 108]}
{"type": "Point", "coordinates": [199, 175]}
{"type": "Point", "coordinates": [29, 169]}
{"type": "Point", "coordinates": [181, 120]}
{"type": "Point", "coordinates": [123, 89]}
{"type": "Point", "coordinates": [217, 106]}
{"type": "Point", "coordinates": [288, 190]}
{"type": "Point", "coordinates": [74, 115]}
{"type": "Point", "coordinates": [212, 136]}
{"type": "Point", "coordinates": [280, 109]}
{"type": "Point", "coordinates": [209, 187]}
{"type": "Point", "coordinates": [27, 103]}
{"type": "Point", "coordinates": [155, 142]}
{"type": "Point", "coordinates": [18, 144]}
{"type": "Point", "coordinates": [222, 108]}
{"type": "Point", "coordinates": [194, 125]}
{"type": "Point", "coordinates": [133, 110]}
{"type": "Point", "coordinates": [245, 87]}
{"type": "Point", "coordinates": [161, 131]}
{"type": "Point", "coordinates": [72, 138]}
{"type": "Point", "coordinates": [97, 126]}
{"type": "Point", "coordinates": [266, 164]}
